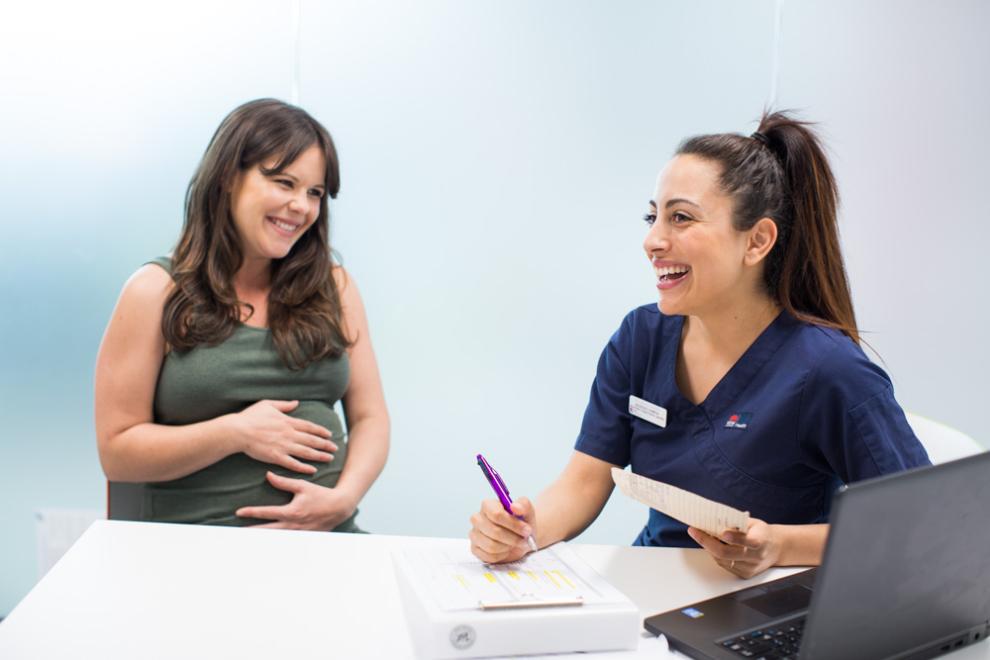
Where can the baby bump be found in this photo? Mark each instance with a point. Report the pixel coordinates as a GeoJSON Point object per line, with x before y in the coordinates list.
{"type": "Point", "coordinates": [211, 495]}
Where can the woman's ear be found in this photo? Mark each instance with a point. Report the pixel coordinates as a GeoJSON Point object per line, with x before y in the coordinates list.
{"type": "Point", "coordinates": [762, 237]}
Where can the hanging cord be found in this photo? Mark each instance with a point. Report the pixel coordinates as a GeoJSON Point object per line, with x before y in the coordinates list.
{"type": "Point", "coordinates": [296, 9]}
{"type": "Point", "coordinates": [778, 23]}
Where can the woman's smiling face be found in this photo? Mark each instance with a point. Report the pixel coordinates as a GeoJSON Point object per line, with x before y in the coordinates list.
{"type": "Point", "coordinates": [271, 211]}
{"type": "Point", "coordinates": [698, 255]}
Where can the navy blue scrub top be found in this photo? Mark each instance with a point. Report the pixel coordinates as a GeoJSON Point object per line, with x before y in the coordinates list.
{"type": "Point", "coordinates": [802, 412]}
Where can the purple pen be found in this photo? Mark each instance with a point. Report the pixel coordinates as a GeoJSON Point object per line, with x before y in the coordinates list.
{"type": "Point", "coordinates": [502, 492]}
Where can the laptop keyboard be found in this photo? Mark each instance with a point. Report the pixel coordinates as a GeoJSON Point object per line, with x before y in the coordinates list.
{"type": "Point", "coordinates": [780, 642]}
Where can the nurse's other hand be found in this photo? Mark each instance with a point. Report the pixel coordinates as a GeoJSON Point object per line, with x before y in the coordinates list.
{"type": "Point", "coordinates": [746, 553]}
{"type": "Point", "coordinates": [498, 537]}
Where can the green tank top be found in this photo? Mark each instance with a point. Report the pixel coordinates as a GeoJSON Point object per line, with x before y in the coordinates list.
{"type": "Point", "coordinates": [209, 381]}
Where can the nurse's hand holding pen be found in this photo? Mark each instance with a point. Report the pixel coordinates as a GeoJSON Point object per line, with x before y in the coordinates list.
{"type": "Point", "coordinates": [493, 536]}
{"type": "Point", "coordinates": [498, 537]}
{"type": "Point", "coordinates": [567, 507]}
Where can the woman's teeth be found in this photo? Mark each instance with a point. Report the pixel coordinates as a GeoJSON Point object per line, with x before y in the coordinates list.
{"type": "Point", "coordinates": [283, 225]}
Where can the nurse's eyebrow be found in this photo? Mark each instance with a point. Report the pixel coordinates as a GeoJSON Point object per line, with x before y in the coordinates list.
{"type": "Point", "coordinates": [679, 200]}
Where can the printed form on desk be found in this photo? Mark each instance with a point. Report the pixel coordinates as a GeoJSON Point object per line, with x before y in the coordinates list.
{"type": "Point", "coordinates": [550, 601]}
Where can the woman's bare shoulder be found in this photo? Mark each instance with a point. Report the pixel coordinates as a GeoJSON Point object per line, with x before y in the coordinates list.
{"type": "Point", "coordinates": [147, 288]}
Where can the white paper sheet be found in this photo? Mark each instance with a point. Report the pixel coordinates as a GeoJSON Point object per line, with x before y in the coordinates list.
{"type": "Point", "coordinates": [459, 581]}
{"type": "Point", "coordinates": [691, 509]}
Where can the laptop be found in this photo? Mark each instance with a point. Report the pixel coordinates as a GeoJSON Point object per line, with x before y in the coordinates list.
{"type": "Point", "coordinates": [906, 574]}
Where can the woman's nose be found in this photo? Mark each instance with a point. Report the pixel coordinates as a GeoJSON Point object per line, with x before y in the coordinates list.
{"type": "Point", "coordinates": [297, 203]}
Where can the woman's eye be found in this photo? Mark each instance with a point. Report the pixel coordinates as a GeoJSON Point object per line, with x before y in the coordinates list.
{"type": "Point", "coordinates": [679, 218]}
{"type": "Point", "coordinates": [650, 218]}
{"type": "Point", "coordinates": [285, 183]}
{"type": "Point", "coordinates": [316, 193]}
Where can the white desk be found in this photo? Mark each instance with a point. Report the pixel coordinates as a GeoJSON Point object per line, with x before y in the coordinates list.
{"type": "Point", "coordinates": [144, 590]}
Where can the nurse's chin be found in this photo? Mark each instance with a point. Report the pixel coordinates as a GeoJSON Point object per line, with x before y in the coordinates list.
{"type": "Point", "coordinates": [669, 308]}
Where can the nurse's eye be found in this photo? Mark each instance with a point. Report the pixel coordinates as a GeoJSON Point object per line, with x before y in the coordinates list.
{"type": "Point", "coordinates": [679, 218]}
{"type": "Point", "coordinates": [316, 193]}
{"type": "Point", "coordinates": [285, 183]}
{"type": "Point", "coordinates": [650, 218]}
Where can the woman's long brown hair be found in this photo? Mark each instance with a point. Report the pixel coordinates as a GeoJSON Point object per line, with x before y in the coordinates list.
{"type": "Point", "coordinates": [781, 173]}
{"type": "Point", "coordinates": [304, 313]}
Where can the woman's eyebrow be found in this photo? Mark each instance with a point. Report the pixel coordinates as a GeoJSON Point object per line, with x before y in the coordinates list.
{"type": "Point", "coordinates": [296, 179]}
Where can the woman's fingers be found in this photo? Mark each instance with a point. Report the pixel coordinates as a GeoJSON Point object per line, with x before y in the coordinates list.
{"type": "Point", "coordinates": [310, 454]}
{"type": "Point", "coordinates": [315, 441]}
{"type": "Point", "coordinates": [310, 427]}
{"type": "Point", "coordinates": [287, 483]}
{"type": "Point", "coordinates": [295, 465]}
{"type": "Point", "coordinates": [281, 406]}
{"type": "Point", "coordinates": [262, 512]}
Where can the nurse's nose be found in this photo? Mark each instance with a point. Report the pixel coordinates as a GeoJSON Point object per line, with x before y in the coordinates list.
{"type": "Point", "coordinates": [657, 240]}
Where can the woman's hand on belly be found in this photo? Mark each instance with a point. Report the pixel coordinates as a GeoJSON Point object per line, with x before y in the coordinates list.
{"type": "Point", "coordinates": [266, 433]}
{"type": "Point", "coordinates": [312, 506]}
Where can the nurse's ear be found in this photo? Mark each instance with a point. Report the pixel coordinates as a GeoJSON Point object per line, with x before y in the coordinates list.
{"type": "Point", "coordinates": [760, 240]}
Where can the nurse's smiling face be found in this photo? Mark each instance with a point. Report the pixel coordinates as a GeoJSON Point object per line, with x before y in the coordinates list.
{"type": "Point", "coordinates": [703, 264]}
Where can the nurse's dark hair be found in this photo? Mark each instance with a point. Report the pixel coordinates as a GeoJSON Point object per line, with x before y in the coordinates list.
{"type": "Point", "coordinates": [781, 172]}
{"type": "Point", "coordinates": [304, 311]}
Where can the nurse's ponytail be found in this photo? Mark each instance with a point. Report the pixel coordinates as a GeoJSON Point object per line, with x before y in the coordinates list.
{"type": "Point", "coordinates": [781, 172]}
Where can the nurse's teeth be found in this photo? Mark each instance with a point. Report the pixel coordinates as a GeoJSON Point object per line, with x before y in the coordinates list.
{"type": "Point", "coordinates": [671, 270]}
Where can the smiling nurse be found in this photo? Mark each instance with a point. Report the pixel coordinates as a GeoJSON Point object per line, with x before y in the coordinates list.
{"type": "Point", "coordinates": [752, 350]}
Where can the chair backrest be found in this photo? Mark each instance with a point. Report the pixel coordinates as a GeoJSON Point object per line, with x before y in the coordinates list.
{"type": "Point", "coordinates": [124, 500]}
{"type": "Point", "coordinates": [942, 442]}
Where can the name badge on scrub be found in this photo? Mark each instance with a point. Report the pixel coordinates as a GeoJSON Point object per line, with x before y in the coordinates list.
{"type": "Point", "coordinates": [647, 411]}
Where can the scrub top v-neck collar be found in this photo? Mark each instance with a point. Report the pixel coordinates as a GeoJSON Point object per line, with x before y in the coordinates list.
{"type": "Point", "coordinates": [738, 377]}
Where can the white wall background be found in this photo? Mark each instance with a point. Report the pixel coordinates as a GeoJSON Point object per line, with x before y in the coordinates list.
{"type": "Point", "coordinates": [496, 158]}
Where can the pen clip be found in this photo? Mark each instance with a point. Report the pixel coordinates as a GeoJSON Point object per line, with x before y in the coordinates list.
{"type": "Point", "coordinates": [494, 480]}
{"type": "Point", "coordinates": [488, 471]}
{"type": "Point", "coordinates": [501, 483]}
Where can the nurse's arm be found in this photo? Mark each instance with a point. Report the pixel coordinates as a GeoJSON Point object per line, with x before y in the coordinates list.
{"type": "Point", "coordinates": [571, 503]}
{"type": "Point", "coordinates": [801, 545]}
